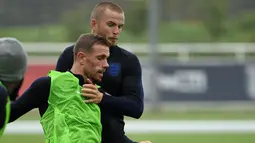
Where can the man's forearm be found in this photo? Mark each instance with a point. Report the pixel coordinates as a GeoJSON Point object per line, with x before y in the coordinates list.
{"type": "Point", "coordinates": [124, 105]}
{"type": "Point", "coordinates": [33, 97]}
{"type": "Point", "coordinates": [20, 107]}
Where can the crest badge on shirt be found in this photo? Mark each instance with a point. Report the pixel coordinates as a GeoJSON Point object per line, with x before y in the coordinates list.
{"type": "Point", "coordinates": [114, 69]}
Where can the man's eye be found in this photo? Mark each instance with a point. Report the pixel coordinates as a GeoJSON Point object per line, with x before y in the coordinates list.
{"type": "Point", "coordinates": [100, 58]}
{"type": "Point", "coordinates": [110, 24]}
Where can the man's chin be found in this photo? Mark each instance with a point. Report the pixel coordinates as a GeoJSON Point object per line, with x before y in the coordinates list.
{"type": "Point", "coordinates": [99, 79]}
{"type": "Point", "coordinates": [96, 80]}
{"type": "Point", "coordinates": [113, 42]}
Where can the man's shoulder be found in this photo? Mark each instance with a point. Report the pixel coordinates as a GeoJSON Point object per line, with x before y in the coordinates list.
{"type": "Point", "coordinates": [130, 60]}
{"type": "Point", "coordinates": [41, 81]}
{"type": "Point", "coordinates": [69, 48]}
{"type": "Point", "coordinates": [127, 53]}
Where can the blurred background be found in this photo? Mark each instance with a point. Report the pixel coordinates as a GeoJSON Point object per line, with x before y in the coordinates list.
{"type": "Point", "coordinates": [197, 59]}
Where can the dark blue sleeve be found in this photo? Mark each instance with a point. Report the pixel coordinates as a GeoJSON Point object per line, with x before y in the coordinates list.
{"type": "Point", "coordinates": [65, 60]}
{"type": "Point", "coordinates": [36, 95]}
{"type": "Point", "coordinates": [3, 101]}
{"type": "Point", "coordinates": [130, 103]}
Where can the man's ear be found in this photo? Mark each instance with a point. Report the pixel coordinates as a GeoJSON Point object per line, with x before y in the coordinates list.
{"type": "Point", "coordinates": [81, 57]}
{"type": "Point", "coordinates": [93, 24]}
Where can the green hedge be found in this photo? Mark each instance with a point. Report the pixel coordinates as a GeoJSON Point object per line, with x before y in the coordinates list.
{"type": "Point", "coordinates": [240, 30]}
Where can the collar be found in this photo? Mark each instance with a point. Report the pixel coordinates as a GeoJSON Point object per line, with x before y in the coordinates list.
{"type": "Point", "coordinates": [112, 48]}
{"type": "Point", "coordinates": [80, 77]}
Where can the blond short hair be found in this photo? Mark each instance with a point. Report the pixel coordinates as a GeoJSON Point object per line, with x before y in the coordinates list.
{"type": "Point", "coordinates": [100, 8]}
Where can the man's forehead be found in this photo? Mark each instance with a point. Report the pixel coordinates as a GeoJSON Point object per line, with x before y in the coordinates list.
{"type": "Point", "coordinates": [114, 16]}
{"type": "Point", "coordinates": [100, 48]}
{"type": "Point", "coordinates": [102, 53]}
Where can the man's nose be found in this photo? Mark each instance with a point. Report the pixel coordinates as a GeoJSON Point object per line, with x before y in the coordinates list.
{"type": "Point", "coordinates": [116, 30]}
{"type": "Point", "coordinates": [106, 65]}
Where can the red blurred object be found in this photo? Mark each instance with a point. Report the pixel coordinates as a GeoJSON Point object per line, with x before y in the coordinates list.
{"type": "Point", "coordinates": [34, 72]}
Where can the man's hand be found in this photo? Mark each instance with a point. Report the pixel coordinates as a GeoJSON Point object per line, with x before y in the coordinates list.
{"type": "Point", "coordinates": [145, 142]}
{"type": "Point", "coordinates": [90, 91]}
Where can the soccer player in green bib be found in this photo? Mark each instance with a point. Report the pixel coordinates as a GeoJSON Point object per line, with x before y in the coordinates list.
{"type": "Point", "coordinates": [13, 64]}
{"type": "Point", "coordinates": [65, 117]}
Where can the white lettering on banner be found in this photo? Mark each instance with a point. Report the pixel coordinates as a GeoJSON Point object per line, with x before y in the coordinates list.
{"type": "Point", "coordinates": [184, 81]}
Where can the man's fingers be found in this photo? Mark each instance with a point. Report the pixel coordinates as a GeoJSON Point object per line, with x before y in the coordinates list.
{"type": "Point", "coordinates": [88, 95]}
{"type": "Point", "coordinates": [91, 86]}
{"type": "Point", "coordinates": [145, 142]}
{"type": "Point", "coordinates": [88, 90]}
{"type": "Point", "coordinates": [90, 101]}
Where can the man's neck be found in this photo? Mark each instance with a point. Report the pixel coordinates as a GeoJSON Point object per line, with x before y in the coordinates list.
{"type": "Point", "coordinates": [77, 70]}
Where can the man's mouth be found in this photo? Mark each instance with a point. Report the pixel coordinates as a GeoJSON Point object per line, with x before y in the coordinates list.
{"type": "Point", "coordinates": [101, 71]}
{"type": "Point", "coordinates": [112, 38]}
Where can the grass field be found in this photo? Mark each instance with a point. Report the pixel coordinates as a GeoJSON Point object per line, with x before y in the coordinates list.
{"type": "Point", "coordinates": [155, 138]}
{"type": "Point", "coordinates": [173, 115]}
{"type": "Point", "coordinates": [166, 137]}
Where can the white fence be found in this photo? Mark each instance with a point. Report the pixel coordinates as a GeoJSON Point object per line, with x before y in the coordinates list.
{"type": "Point", "coordinates": [162, 48]}
{"type": "Point", "coordinates": [155, 126]}
{"type": "Point", "coordinates": [183, 50]}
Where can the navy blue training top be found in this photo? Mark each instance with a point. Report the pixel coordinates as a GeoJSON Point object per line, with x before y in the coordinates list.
{"type": "Point", "coordinates": [122, 83]}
